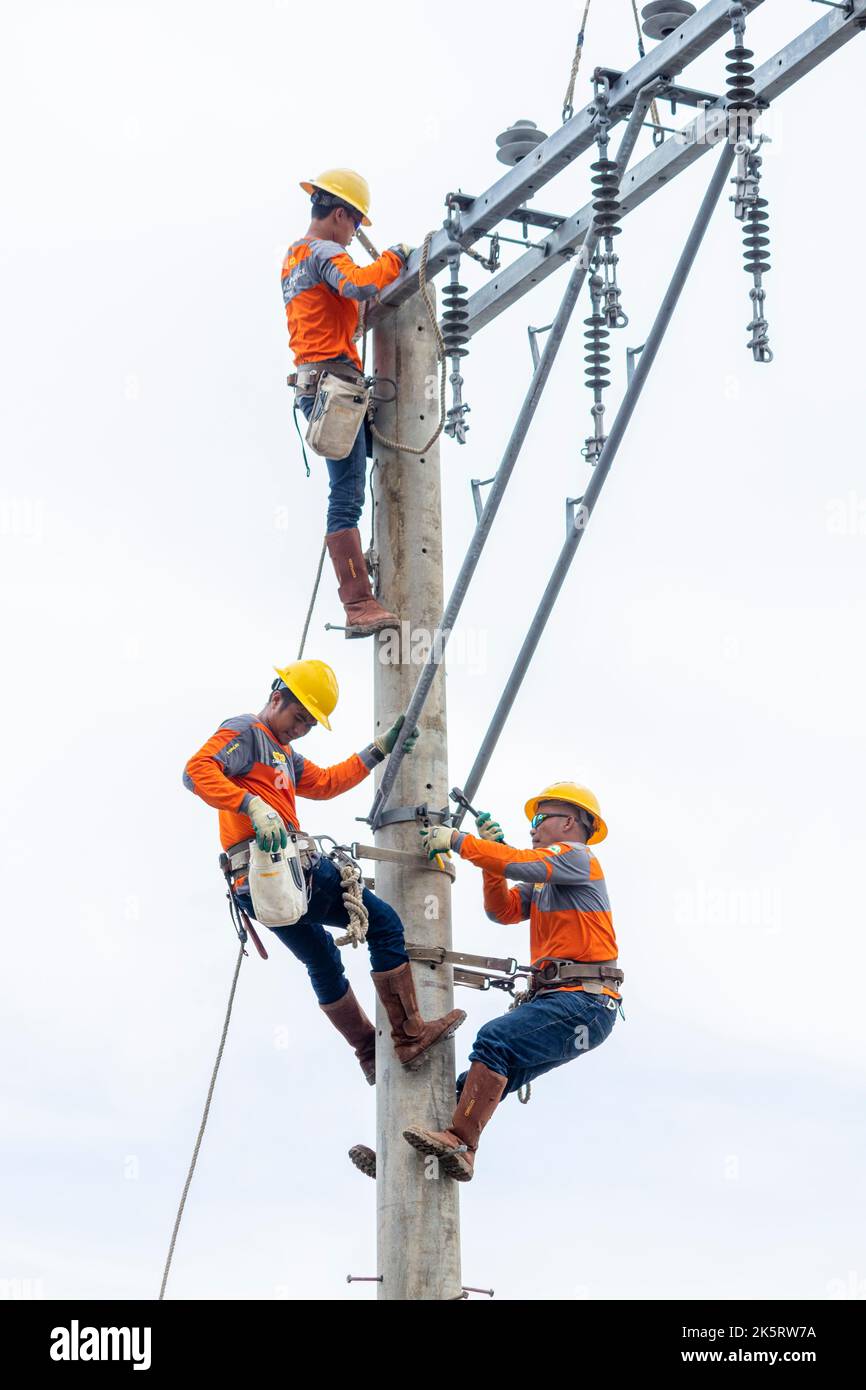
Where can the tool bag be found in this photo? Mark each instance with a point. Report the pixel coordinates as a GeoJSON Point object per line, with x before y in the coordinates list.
{"type": "Point", "coordinates": [339, 411]}
{"type": "Point", "coordinates": [277, 885]}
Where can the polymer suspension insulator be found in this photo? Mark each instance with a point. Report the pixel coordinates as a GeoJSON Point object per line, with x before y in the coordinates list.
{"type": "Point", "coordinates": [742, 97]}
{"type": "Point", "coordinates": [455, 319]}
{"type": "Point", "coordinates": [597, 355]}
{"type": "Point", "coordinates": [756, 238]}
{"type": "Point", "coordinates": [605, 202]}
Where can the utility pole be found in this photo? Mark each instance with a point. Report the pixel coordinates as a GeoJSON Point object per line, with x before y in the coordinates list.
{"type": "Point", "coordinates": [418, 1229]}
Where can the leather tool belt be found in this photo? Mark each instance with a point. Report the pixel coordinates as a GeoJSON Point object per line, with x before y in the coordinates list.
{"type": "Point", "coordinates": [305, 378]}
{"type": "Point", "coordinates": [593, 975]}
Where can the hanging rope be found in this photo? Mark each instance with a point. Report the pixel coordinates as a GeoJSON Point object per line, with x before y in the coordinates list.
{"type": "Point", "coordinates": [440, 357]}
{"type": "Point", "coordinates": [201, 1128]}
{"type": "Point", "coordinates": [353, 901]}
{"type": "Point", "coordinates": [313, 597]}
{"type": "Point", "coordinates": [523, 1092]}
{"type": "Point", "coordinates": [568, 99]}
{"type": "Point", "coordinates": [568, 102]}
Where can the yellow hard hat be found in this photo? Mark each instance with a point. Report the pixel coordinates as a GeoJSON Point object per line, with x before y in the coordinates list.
{"type": "Point", "coordinates": [575, 796]}
{"type": "Point", "coordinates": [314, 684]}
{"type": "Point", "coordinates": [344, 184]}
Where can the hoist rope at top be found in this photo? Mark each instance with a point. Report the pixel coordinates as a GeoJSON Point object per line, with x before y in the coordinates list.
{"type": "Point", "coordinates": [568, 101]}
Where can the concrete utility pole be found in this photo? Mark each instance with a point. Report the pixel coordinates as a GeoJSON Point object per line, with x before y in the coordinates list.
{"type": "Point", "coordinates": [417, 1211]}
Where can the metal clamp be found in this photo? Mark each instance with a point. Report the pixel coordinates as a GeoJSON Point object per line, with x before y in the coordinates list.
{"type": "Point", "coordinates": [400, 856]}
{"type": "Point", "coordinates": [399, 815]}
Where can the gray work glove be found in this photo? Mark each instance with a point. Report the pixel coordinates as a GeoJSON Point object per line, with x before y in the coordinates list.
{"type": "Point", "coordinates": [385, 742]}
{"type": "Point", "coordinates": [489, 829]}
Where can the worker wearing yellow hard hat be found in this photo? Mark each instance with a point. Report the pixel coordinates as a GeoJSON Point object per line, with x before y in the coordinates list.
{"type": "Point", "coordinates": [323, 292]}
{"type": "Point", "coordinates": [575, 979]}
{"type": "Point", "coordinates": [572, 795]}
{"type": "Point", "coordinates": [346, 186]}
{"type": "Point", "coordinates": [250, 771]}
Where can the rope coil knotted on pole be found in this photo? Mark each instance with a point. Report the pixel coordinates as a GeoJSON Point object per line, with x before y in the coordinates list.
{"type": "Point", "coordinates": [353, 901]}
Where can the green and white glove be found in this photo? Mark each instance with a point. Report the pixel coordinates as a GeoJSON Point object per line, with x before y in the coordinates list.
{"type": "Point", "coordinates": [489, 829]}
{"type": "Point", "coordinates": [268, 825]}
{"type": "Point", "coordinates": [436, 839]}
{"type": "Point", "coordinates": [385, 742]}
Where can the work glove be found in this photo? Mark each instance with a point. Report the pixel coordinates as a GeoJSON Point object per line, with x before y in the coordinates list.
{"type": "Point", "coordinates": [489, 829]}
{"type": "Point", "coordinates": [403, 249]}
{"type": "Point", "coordinates": [436, 839]}
{"type": "Point", "coordinates": [268, 825]}
{"type": "Point", "coordinates": [385, 742]}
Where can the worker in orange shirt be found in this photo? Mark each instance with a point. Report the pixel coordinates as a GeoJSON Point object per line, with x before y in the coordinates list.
{"type": "Point", "coordinates": [249, 771]}
{"type": "Point", "coordinates": [574, 994]}
{"type": "Point", "coordinates": [323, 290]}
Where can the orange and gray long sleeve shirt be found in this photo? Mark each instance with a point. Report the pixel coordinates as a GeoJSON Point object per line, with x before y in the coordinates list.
{"type": "Point", "coordinates": [323, 289]}
{"type": "Point", "coordinates": [560, 889]}
{"type": "Point", "coordinates": [243, 759]}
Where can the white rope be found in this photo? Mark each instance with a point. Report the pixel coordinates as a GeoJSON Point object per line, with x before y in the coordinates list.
{"type": "Point", "coordinates": [353, 901]}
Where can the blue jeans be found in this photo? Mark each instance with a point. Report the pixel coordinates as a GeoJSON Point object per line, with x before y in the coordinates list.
{"type": "Point", "coordinates": [544, 1033]}
{"type": "Point", "coordinates": [312, 945]}
{"type": "Point", "coordinates": [348, 480]}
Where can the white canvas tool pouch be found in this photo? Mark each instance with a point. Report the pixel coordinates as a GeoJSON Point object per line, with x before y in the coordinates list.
{"type": "Point", "coordinates": [277, 885]}
{"type": "Point", "coordinates": [337, 415]}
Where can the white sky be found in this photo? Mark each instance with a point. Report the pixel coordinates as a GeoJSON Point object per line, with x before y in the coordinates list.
{"type": "Point", "coordinates": [703, 671]}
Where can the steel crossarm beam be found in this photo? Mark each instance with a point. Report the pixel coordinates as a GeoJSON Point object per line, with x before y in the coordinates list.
{"type": "Point", "coordinates": [667, 59]}
{"type": "Point", "coordinates": [831, 32]}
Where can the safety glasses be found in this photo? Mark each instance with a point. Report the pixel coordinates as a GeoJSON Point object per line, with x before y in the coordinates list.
{"type": "Point", "coordinates": [541, 816]}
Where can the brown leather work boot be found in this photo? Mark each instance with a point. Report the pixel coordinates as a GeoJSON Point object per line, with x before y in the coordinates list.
{"type": "Point", "coordinates": [364, 614]}
{"type": "Point", "coordinates": [409, 1032]}
{"type": "Point", "coordinates": [455, 1147]}
{"type": "Point", "coordinates": [364, 1159]}
{"type": "Point", "coordinates": [350, 1020]}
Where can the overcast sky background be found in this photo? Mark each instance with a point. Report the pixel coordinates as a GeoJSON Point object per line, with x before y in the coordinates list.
{"type": "Point", "coordinates": [703, 670]}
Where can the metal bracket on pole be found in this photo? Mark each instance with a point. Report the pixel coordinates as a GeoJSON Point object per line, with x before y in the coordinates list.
{"type": "Point", "coordinates": [438, 955]}
{"type": "Point", "coordinates": [400, 856]}
{"type": "Point", "coordinates": [631, 356]}
{"type": "Point", "coordinates": [401, 814]}
{"type": "Point", "coordinates": [666, 89]}
{"type": "Point", "coordinates": [477, 484]}
{"type": "Point", "coordinates": [483, 972]}
{"type": "Point", "coordinates": [532, 334]}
